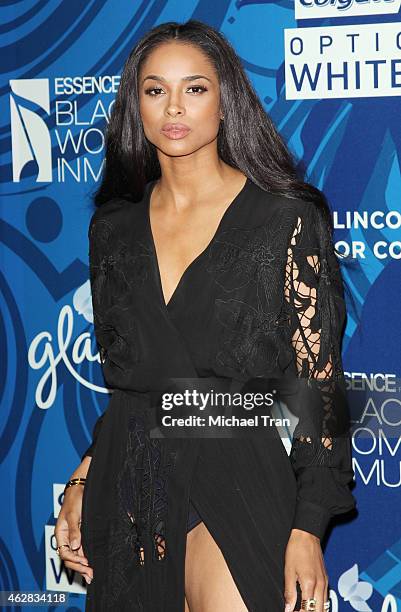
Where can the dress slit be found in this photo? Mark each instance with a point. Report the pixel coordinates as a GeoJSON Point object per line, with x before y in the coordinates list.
{"type": "Point", "coordinates": [194, 518]}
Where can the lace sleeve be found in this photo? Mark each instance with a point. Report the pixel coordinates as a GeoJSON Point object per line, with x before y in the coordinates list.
{"type": "Point", "coordinates": [321, 450]}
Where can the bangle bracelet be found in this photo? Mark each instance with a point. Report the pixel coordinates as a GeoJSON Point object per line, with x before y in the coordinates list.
{"type": "Point", "coordinates": [74, 481]}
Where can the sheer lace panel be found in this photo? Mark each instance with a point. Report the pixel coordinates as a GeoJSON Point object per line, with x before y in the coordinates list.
{"type": "Point", "coordinates": [314, 331]}
{"type": "Point", "coordinates": [142, 490]}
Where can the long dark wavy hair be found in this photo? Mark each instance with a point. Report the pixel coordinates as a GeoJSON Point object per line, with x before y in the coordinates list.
{"type": "Point", "coordinates": [247, 138]}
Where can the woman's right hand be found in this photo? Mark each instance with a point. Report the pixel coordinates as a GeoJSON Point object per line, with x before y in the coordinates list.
{"type": "Point", "coordinates": [67, 531]}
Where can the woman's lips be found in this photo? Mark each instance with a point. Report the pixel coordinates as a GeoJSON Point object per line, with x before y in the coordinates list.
{"type": "Point", "coordinates": [176, 133]}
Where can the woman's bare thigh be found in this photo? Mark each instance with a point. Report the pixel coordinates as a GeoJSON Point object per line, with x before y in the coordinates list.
{"type": "Point", "coordinates": [209, 586]}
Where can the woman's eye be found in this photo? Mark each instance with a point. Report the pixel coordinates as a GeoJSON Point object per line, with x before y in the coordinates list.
{"type": "Point", "coordinates": [201, 87]}
{"type": "Point", "coordinates": [150, 91]}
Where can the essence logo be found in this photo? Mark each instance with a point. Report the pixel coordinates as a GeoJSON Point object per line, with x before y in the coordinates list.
{"type": "Point", "coordinates": [319, 9]}
{"type": "Point", "coordinates": [57, 126]}
{"type": "Point", "coordinates": [30, 137]}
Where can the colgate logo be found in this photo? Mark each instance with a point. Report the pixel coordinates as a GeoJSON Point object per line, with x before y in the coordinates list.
{"type": "Point", "coordinates": [313, 9]}
{"type": "Point", "coordinates": [340, 5]}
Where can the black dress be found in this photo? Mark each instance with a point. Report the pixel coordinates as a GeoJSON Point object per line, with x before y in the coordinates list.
{"type": "Point", "coordinates": [251, 305]}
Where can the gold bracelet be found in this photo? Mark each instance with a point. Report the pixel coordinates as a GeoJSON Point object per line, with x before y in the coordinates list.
{"type": "Point", "coordinates": [74, 481]}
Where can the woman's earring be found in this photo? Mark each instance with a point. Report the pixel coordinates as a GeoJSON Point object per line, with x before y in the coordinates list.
{"type": "Point", "coordinates": [222, 117]}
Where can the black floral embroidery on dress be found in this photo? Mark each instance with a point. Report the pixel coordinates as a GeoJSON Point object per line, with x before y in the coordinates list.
{"type": "Point", "coordinates": [137, 532]}
{"type": "Point", "coordinates": [158, 464]}
{"type": "Point", "coordinates": [240, 257]}
{"type": "Point", "coordinates": [249, 344]}
{"type": "Point", "coordinates": [115, 268]}
{"type": "Point", "coordinates": [142, 487]}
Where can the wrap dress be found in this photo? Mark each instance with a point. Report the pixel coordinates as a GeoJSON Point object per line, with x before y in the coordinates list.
{"type": "Point", "coordinates": [264, 299]}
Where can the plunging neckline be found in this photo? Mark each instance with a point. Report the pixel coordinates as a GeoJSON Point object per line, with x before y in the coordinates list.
{"type": "Point", "coordinates": [198, 258]}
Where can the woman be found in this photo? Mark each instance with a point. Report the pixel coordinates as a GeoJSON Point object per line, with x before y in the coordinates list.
{"type": "Point", "coordinates": [210, 260]}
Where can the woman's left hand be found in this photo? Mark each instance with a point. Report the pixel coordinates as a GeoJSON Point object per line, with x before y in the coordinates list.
{"type": "Point", "coordinates": [304, 562]}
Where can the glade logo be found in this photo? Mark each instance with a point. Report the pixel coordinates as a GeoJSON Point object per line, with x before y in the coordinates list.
{"type": "Point", "coordinates": [51, 357]}
{"type": "Point", "coordinates": [315, 9]}
{"type": "Point", "coordinates": [30, 138]}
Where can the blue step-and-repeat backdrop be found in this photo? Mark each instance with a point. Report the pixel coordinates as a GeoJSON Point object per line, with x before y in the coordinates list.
{"type": "Point", "coordinates": [329, 74]}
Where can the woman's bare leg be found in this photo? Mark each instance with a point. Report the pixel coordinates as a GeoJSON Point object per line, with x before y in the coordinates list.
{"type": "Point", "coordinates": [209, 586]}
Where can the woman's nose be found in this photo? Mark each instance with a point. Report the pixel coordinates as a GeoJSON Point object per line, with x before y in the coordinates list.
{"type": "Point", "coordinates": [173, 112]}
{"type": "Point", "coordinates": [174, 105]}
